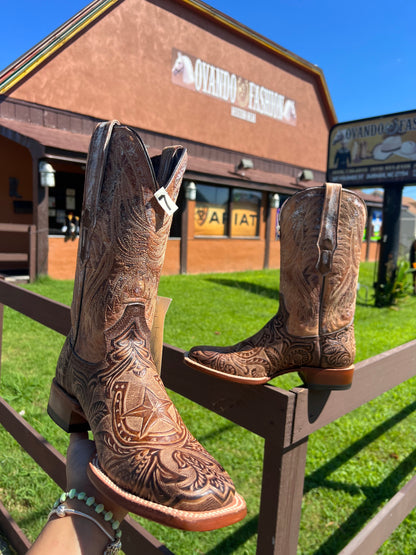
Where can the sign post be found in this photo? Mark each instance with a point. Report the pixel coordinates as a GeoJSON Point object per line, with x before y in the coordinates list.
{"type": "Point", "coordinates": [377, 152]}
{"type": "Point", "coordinates": [389, 242]}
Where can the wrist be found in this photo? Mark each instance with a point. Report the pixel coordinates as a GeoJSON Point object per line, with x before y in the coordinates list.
{"type": "Point", "coordinates": [81, 507]}
{"type": "Point", "coordinates": [86, 513]}
{"type": "Point", "coordinates": [119, 513]}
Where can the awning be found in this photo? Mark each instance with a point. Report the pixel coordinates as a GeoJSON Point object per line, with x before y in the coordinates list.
{"type": "Point", "coordinates": [52, 139]}
{"type": "Point", "coordinates": [67, 145]}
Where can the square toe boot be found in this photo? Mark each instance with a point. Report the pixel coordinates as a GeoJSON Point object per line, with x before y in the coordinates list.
{"type": "Point", "coordinates": [106, 379]}
{"type": "Point", "coordinates": [321, 231]}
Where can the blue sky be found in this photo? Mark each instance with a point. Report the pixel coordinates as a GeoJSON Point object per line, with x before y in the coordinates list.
{"type": "Point", "coordinates": [367, 50]}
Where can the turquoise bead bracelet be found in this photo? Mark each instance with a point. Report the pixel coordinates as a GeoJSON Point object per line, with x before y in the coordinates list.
{"type": "Point", "coordinates": [90, 502]}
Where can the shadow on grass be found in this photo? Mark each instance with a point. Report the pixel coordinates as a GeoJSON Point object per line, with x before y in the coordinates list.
{"type": "Point", "coordinates": [217, 432]}
{"type": "Point", "coordinates": [238, 538]}
{"type": "Point", "coordinates": [269, 292]}
{"type": "Point", "coordinates": [317, 478]}
{"type": "Point", "coordinates": [375, 495]}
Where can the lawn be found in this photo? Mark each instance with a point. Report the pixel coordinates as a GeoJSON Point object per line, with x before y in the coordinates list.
{"type": "Point", "coordinates": [354, 465]}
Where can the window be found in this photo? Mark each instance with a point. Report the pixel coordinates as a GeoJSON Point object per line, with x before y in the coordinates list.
{"type": "Point", "coordinates": [65, 201]}
{"type": "Point", "coordinates": [176, 227]}
{"type": "Point", "coordinates": [211, 210]}
{"type": "Point", "coordinates": [245, 213]}
{"type": "Point", "coordinates": [222, 211]}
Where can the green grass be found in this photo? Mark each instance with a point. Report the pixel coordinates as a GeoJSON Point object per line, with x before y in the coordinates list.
{"type": "Point", "coordinates": [354, 465]}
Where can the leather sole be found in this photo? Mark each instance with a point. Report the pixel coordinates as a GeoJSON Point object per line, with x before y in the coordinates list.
{"type": "Point", "coordinates": [194, 521]}
{"type": "Point", "coordinates": [313, 378]}
{"type": "Point", "coordinates": [224, 376]}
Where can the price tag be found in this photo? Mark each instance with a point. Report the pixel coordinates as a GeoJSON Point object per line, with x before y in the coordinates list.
{"type": "Point", "coordinates": [165, 201]}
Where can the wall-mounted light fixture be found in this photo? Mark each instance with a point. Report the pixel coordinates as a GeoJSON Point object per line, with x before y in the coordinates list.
{"type": "Point", "coordinates": [244, 164]}
{"type": "Point", "coordinates": [305, 175]}
{"type": "Point", "coordinates": [190, 190]}
{"type": "Point", "coordinates": [274, 200]}
{"type": "Point", "coordinates": [47, 174]}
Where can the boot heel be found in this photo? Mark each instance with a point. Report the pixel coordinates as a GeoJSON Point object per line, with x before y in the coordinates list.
{"type": "Point", "coordinates": [66, 411]}
{"type": "Point", "coordinates": [327, 378]}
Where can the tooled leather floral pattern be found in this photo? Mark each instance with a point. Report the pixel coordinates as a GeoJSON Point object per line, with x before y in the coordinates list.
{"type": "Point", "coordinates": [142, 443]}
{"type": "Point", "coordinates": [273, 351]}
{"type": "Point", "coordinates": [338, 348]}
{"type": "Point", "coordinates": [123, 237]}
{"type": "Point", "coordinates": [106, 364]}
{"type": "Point", "coordinates": [340, 288]}
{"type": "Point", "coordinates": [300, 283]}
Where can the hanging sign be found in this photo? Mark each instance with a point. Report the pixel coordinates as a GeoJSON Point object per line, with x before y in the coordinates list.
{"type": "Point", "coordinates": [372, 152]}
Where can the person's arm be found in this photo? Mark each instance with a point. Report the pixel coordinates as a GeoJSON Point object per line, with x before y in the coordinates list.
{"type": "Point", "coordinates": [75, 534]}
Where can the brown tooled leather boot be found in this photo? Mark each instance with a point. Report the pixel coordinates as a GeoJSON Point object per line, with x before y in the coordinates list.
{"type": "Point", "coordinates": [321, 231]}
{"type": "Point", "coordinates": [106, 379]}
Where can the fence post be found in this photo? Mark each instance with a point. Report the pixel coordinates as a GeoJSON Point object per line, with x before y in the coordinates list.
{"type": "Point", "coordinates": [32, 253]}
{"type": "Point", "coordinates": [281, 497]}
{"type": "Point", "coordinates": [1, 326]}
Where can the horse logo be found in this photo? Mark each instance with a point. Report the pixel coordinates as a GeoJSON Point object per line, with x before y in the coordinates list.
{"type": "Point", "coordinates": [183, 71]}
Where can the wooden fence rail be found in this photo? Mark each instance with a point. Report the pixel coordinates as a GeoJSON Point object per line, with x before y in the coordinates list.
{"type": "Point", "coordinates": [285, 419]}
{"type": "Point", "coordinates": [26, 255]}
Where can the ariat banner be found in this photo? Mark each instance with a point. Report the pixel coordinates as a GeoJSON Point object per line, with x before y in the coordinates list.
{"type": "Point", "coordinates": [244, 221]}
{"type": "Point", "coordinates": [211, 219]}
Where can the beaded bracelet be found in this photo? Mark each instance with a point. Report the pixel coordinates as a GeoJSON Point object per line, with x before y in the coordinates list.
{"type": "Point", "coordinates": [61, 510]}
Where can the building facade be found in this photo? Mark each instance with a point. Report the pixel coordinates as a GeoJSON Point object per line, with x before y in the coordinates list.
{"type": "Point", "coordinates": [254, 117]}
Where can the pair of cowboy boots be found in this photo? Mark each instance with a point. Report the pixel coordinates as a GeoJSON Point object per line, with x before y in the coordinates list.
{"type": "Point", "coordinates": [321, 231]}
{"type": "Point", "coordinates": [106, 378]}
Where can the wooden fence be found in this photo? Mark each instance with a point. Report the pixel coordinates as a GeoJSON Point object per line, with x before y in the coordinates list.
{"type": "Point", "coordinates": [285, 419]}
{"type": "Point", "coordinates": [26, 255]}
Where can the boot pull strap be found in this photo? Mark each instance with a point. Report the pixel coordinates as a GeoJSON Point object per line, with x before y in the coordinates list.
{"type": "Point", "coordinates": [327, 240]}
{"type": "Point", "coordinates": [97, 158]}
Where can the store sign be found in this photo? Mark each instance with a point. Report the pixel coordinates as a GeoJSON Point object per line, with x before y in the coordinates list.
{"type": "Point", "coordinates": [244, 221]}
{"type": "Point", "coordinates": [247, 98]}
{"type": "Point", "coordinates": [373, 151]}
{"type": "Point", "coordinates": [211, 219]}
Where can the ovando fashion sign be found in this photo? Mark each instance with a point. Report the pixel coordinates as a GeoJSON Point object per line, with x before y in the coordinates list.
{"type": "Point", "coordinates": [246, 97]}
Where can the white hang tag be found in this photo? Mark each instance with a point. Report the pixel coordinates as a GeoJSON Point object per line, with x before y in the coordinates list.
{"type": "Point", "coordinates": [165, 201]}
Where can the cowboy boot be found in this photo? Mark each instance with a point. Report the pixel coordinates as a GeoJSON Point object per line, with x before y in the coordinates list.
{"type": "Point", "coordinates": [321, 231]}
{"type": "Point", "coordinates": [106, 379]}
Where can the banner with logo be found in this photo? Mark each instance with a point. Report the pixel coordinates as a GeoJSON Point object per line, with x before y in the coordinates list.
{"type": "Point", "coordinates": [212, 219]}
{"type": "Point", "coordinates": [244, 220]}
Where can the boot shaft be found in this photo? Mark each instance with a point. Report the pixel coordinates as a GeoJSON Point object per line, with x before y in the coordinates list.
{"type": "Point", "coordinates": [124, 232]}
{"type": "Point", "coordinates": [321, 231]}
